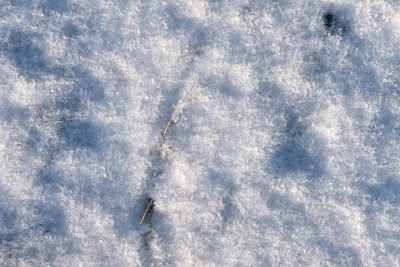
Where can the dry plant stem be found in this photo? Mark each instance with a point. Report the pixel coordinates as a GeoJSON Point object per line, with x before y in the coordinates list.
{"type": "Point", "coordinates": [162, 137]}
{"type": "Point", "coordinates": [147, 209]}
{"type": "Point", "coordinates": [166, 128]}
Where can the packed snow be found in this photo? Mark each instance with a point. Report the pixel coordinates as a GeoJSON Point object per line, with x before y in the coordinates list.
{"type": "Point", "coordinates": [283, 147]}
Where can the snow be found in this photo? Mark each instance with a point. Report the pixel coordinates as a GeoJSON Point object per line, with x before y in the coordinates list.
{"type": "Point", "coordinates": [283, 147]}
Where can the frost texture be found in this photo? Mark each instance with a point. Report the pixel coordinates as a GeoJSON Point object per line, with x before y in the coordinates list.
{"type": "Point", "coordinates": [283, 148]}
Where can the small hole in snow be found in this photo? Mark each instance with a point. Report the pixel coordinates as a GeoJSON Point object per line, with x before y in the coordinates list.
{"type": "Point", "coordinates": [334, 23]}
{"type": "Point", "coordinates": [328, 20]}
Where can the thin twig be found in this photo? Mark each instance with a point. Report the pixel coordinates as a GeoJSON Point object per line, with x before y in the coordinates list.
{"type": "Point", "coordinates": [148, 206]}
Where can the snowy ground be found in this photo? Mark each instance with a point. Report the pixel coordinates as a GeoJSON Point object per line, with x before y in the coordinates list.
{"type": "Point", "coordinates": [283, 150]}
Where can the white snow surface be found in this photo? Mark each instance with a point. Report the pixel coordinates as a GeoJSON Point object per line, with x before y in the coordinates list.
{"type": "Point", "coordinates": [283, 149]}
